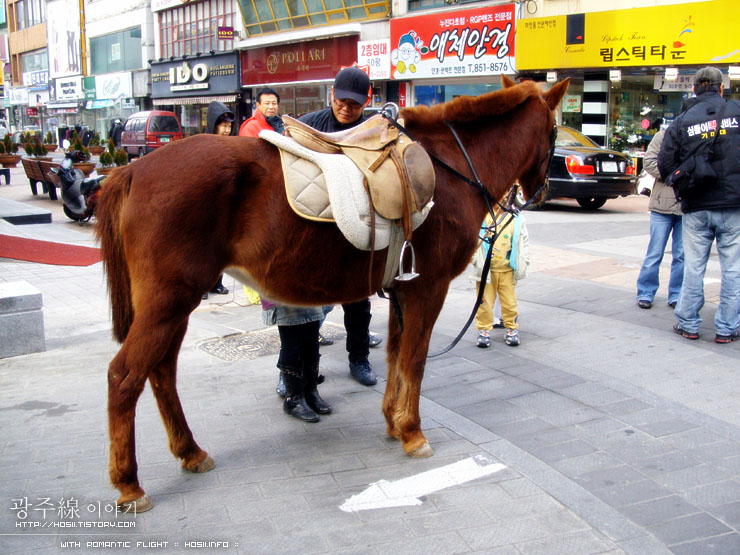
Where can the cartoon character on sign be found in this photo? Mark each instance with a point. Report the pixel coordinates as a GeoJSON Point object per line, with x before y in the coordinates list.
{"type": "Point", "coordinates": [407, 54]}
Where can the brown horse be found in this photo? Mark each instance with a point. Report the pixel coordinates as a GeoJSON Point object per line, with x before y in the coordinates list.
{"type": "Point", "coordinates": [170, 223]}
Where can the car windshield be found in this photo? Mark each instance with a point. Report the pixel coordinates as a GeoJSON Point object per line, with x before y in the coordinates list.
{"type": "Point", "coordinates": [164, 124]}
{"type": "Point", "coordinates": [570, 137]}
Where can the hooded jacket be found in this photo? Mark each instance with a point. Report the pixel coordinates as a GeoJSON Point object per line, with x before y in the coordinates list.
{"type": "Point", "coordinates": [662, 197]}
{"type": "Point", "coordinates": [214, 112]}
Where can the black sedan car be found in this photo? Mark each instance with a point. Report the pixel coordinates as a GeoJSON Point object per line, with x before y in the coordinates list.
{"type": "Point", "coordinates": [582, 170]}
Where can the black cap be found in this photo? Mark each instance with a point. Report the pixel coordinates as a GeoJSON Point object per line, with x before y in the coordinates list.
{"type": "Point", "coordinates": [352, 83]}
{"type": "Point", "coordinates": [226, 116]}
{"type": "Point", "coordinates": [708, 74]}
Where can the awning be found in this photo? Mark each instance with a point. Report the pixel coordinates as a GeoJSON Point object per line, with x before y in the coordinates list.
{"type": "Point", "coordinates": [193, 100]}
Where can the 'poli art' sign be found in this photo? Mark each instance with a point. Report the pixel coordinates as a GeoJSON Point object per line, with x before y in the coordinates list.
{"type": "Point", "coordinates": [460, 43]}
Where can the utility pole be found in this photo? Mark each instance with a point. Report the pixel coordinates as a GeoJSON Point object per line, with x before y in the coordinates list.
{"type": "Point", "coordinates": [83, 40]}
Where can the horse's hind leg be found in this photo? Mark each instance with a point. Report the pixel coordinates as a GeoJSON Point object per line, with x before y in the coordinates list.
{"type": "Point", "coordinates": [180, 438]}
{"type": "Point", "coordinates": [127, 374]}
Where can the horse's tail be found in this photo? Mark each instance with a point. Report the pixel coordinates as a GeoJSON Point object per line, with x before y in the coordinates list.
{"type": "Point", "coordinates": [113, 196]}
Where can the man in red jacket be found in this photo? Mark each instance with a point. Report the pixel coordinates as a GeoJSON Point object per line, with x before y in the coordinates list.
{"type": "Point", "coordinates": [266, 116]}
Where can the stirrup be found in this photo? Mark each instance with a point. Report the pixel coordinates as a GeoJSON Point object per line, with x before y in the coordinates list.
{"type": "Point", "coordinates": [406, 276]}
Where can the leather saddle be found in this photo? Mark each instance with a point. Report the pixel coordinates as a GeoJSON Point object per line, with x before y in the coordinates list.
{"type": "Point", "coordinates": [399, 175]}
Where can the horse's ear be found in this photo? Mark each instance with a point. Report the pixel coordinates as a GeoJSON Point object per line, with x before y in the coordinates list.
{"type": "Point", "coordinates": [506, 82]}
{"type": "Point", "coordinates": [556, 93]}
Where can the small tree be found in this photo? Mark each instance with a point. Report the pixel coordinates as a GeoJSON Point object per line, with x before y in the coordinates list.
{"type": "Point", "coordinates": [120, 157]}
{"type": "Point", "coordinates": [49, 138]}
{"type": "Point", "coordinates": [9, 145]}
{"type": "Point", "coordinates": [38, 148]}
{"type": "Point", "coordinates": [111, 147]}
{"type": "Point", "coordinates": [94, 140]}
{"type": "Point", "coordinates": [106, 159]}
{"type": "Point", "coordinates": [30, 149]}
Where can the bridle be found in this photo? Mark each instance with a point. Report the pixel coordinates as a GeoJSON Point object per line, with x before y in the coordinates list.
{"type": "Point", "coordinates": [389, 112]}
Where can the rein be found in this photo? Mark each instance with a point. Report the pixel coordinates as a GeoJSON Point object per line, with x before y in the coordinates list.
{"type": "Point", "coordinates": [509, 209]}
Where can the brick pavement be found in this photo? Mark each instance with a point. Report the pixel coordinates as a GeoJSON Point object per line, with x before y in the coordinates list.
{"type": "Point", "coordinates": [618, 436]}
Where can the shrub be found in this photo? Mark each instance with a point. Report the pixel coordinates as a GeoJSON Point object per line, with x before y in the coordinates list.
{"type": "Point", "coordinates": [120, 157]}
{"type": "Point", "coordinates": [49, 138]}
{"type": "Point", "coordinates": [106, 159]}
{"type": "Point", "coordinates": [9, 146]}
{"type": "Point", "coordinates": [94, 140]}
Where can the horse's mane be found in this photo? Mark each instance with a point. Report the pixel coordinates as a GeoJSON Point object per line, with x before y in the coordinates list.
{"type": "Point", "coordinates": [469, 108]}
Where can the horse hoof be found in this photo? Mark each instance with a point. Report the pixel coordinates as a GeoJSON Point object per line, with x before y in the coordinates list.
{"type": "Point", "coordinates": [203, 466]}
{"type": "Point", "coordinates": [423, 452]}
{"type": "Point", "coordinates": [140, 505]}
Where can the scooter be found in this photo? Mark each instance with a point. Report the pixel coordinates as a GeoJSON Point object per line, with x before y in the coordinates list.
{"type": "Point", "coordinates": [79, 195]}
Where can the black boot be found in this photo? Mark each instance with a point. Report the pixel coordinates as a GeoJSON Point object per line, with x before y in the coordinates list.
{"type": "Point", "coordinates": [295, 404]}
{"type": "Point", "coordinates": [311, 393]}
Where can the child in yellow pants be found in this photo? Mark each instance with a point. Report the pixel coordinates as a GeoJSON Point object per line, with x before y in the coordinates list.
{"type": "Point", "coordinates": [508, 264]}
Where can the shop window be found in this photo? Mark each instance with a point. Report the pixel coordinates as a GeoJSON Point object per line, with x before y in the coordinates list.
{"type": "Point", "coordinates": [637, 111]}
{"type": "Point", "coordinates": [268, 16]}
{"type": "Point", "coordinates": [193, 28]}
{"type": "Point", "coordinates": [119, 51]}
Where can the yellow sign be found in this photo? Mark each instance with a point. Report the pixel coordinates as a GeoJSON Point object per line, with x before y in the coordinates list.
{"type": "Point", "coordinates": [699, 33]}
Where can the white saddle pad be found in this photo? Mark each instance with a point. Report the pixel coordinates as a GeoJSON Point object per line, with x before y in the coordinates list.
{"type": "Point", "coordinates": [329, 187]}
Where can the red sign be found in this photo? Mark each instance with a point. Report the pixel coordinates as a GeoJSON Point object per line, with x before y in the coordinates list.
{"type": "Point", "coordinates": [458, 43]}
{"type": "Point", "coordinates": [32, 112]}
{"type": "Point", "coordinates": [303, 61]}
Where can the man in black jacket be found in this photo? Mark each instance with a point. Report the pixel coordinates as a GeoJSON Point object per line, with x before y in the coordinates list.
{"type": "Point", "coordinates": [349, 96]}
{"type": "Point", "coordinates": [711, 208]}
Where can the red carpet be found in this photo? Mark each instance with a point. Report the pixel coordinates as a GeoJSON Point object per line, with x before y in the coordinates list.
{"type": "Point", "coordinates": [45, 252]}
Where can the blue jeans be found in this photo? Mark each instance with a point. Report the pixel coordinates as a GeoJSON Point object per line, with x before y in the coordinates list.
{"type": "Point", "coordinates": [700, 229]}
{"type": "Point", "coordinates": [661, 227]}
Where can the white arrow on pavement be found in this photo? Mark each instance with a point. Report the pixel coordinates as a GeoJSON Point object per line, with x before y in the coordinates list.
{"type": "Point", "coordinates": [406, 491]}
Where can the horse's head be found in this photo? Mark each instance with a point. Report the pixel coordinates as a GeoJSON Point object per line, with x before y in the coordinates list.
{"type": "Point", "coordinates": [534, 178]}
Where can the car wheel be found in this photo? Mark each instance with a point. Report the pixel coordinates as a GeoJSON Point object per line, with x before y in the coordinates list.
{"type": "Point", "coordinates": [591, 203]}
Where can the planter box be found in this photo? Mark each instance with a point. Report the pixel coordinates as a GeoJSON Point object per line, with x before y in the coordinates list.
{"type": "Point", "coordinates": [96, 150]}
{"type": "Point", "coordinates": [9, 160]}
{"type": "Point", "coordinates": [85, 167]}
{"type": "Point", "coordinates": [51, 148]}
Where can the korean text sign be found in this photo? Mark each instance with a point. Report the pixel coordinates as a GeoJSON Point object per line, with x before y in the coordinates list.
{"type": "Point", "coordinates": [472, 42]}
{"type": "Point", "coordinates": [693, 33]}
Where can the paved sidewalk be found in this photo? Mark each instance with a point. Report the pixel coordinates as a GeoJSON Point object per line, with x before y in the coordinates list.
{"type": "Point", "coordinates": [617, 435]}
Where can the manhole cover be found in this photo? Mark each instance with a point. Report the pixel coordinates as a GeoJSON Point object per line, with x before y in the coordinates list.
{"type": "Point", "coordinates": [254, 344]}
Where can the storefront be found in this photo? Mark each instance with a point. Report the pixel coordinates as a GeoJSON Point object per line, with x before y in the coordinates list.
{"type": "Point", "coordinates": [445, 54]}
{"type": "Point", "coordinates": [630, 70]}
{"type": "Point", "coordinates": [187, 85]}
{"type": "Point", "coordinates": [301, 73]}
{"type": "Point", "coordinates": [108, 97]}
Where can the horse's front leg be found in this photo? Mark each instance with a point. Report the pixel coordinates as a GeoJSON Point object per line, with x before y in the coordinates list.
{"type": "Point", "coordinates": [393, 348]}
{"type": "Point", "coordinates": [164, 385]}
{"type": "Point", "coordinates": [422, 306]}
